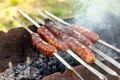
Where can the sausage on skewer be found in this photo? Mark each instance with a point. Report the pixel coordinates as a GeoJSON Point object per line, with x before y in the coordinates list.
{"type": "Point", "coordinates": [97, 73]}
{"type": "Point", "coordinates": [63, 46]}
{"type": "Point", "coordinates": [50, 38]}
{"type": "Point", "coordinates": [81, 38]}
{"type": "Point", "coordinates": [75, 44]}
{"type": "Point", "coordinates": [42, 46]}
{"type": "Point", "coordinates": [69, 40]}
{"type": "Point", "coordinates": [89, 34]}
{"type": "Point", "coordinates": [46, 48]}
{"type": "Point", "coordinates": [91, 58]}
{"type": "Point", "coordinates": [86, 32]}
{"type": "Point", "coordinates": [85, 53]}
{"type": "Point", "coordinates": [50, 24]}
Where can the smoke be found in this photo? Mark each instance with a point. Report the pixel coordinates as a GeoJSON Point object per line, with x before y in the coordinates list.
{"type": "Point", "coordinates": [95, 11]}
{"type": "Point", "coordinates": [100, 16]}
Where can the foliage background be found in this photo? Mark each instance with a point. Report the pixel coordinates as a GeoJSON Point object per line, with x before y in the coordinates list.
{"type": "Point", "coordinates": [8, 8]}
{"type": "Point", "coordinates": [93, 9]}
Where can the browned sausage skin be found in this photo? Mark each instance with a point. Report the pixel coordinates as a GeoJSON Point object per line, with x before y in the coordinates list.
{"type": "Point", "coordinates": [50, 38]}
{"type": "Point", "coordinates": [52, 27]}
{"type": "Point", "coordinates": [89, 34]}
{"type": "Point", "coordinates": [85, 53]}
{"type": "Point", "coordinates": [42, 46]}
{"type": "Point", "coordinates": [81, 38]}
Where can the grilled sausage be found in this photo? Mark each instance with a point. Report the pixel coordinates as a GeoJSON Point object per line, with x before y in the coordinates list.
{"type": "Point", "coordinates": [42, 46]}
{"type": "Point", "coordinates": [81, 38]}
{"type": "Point", "coordinates": [85, 53]}
{"type": "Point", "coordinates": [89, 34]}
{"type": "Point", "coordinates": [50, 38]}
{"type": "Point", "coordinates": [62, 34]}
{"type": "Point", "coordinates": [52, 27]}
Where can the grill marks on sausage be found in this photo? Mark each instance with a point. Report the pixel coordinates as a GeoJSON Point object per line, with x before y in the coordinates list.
{"type": "Point", "coordinates": [42, 46]}
{"type": "Point", "coordinates": [50, 38]}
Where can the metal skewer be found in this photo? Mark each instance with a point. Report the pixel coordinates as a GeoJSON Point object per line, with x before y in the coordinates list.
{"type": "Point", "coordinates": [97, 62]}
{"type": "Point", "coordinates": [109, 45]}
{"type": "Point", "coordinates": [115, 63]}
{"type": "Point", "coordinates": [100, 75]}
{"type": "Point", "coordinates": [55, 54]}
{"type": "Point", "coordinates": [100, 41]}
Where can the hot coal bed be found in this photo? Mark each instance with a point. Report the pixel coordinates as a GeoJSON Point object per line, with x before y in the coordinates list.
{"type": "Point", "coordinates": [15, 46]}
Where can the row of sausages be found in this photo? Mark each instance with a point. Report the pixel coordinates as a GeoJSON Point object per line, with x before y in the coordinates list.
{"type": "Point", "coordinates": [63, 39]}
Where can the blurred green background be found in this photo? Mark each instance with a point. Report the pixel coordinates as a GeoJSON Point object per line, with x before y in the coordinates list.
{"type": "Point", "coordinates": [60, 8]}
{"type": "Point", "coordinates": [8, 8]}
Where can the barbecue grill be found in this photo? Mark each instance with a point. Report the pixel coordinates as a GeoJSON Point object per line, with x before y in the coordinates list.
{"type": "Point", "coordinates": [28, 50]}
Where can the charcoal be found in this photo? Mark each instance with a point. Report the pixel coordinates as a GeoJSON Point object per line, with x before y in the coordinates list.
{"type": "Point", "coordinates": [40, 67]}
{"type": "Point", "coordinates": [15, 46]}
{"type": "Point", "coordinates": [85, 73]}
